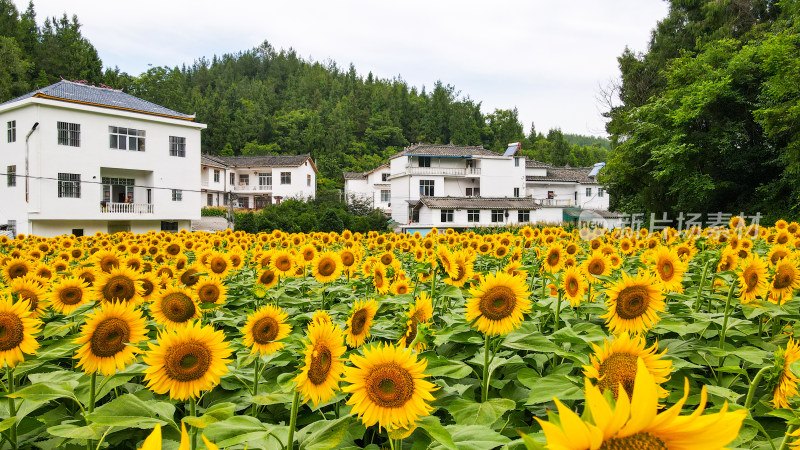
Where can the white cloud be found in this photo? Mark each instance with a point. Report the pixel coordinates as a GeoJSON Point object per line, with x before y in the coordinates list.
{"type": "Point", "coordinates": [547, 58]}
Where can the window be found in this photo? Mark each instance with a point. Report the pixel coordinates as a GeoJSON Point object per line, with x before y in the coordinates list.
{"type": "Point", "coordinates": [424, 161]}
{"type": "Point", "coordinates": [497, 215]}
{"type": "Point", "coordinates": [126, 139]}
{"type": "Point", "coordinates": [286, 177]}
{"type": "Point", "coordinates": [385, 195]}
{"type": "Point", "coordinates": [447, 215]}
{"type": "Point", "coordinates": [177, 195]}
{"type": "Point", "coordinates": [384, 177]}
{"type": "Point", "coordinates": [473, 215]}
{"type": "Point", "coordinates": [244, 202]}
{"type": "Point", "coordinates": [69, 134]}
{"type": "Point", "coordinates": [244, 180]}
{"type": "Point", "coordinates": [588, 192]}
{"type": "Point", "coordinates": [210, 200]}
{"type": "Point", "coordinates": [516, 192]}
{"type": "Point", "coordinates": [12, 131]}
{"type": "Point", "coordinates": [308, 180]}
{"type": "Point", "coordinates": [233, 179]}
{"type": "Point", "coordinates": [552, 194]}
{"type": "Point", "coordinates": [69, 185]}
{"type": "Point", "coordinates": [516, 162]}
{"type": "Point", "coordinates": [177, 146]}
{"type": "Point", "coordinates": [216, 176]}
{"type": "Point", "coordinates": [77, 232]}
{"type": "Point", "coordinates": [473, 192]}
{"type": "Point", "coordinates": [523, 216]}
{"type": "Point", "coordinates": [172, 227]}
{"type": "Point", "coordinates": [426, 188]}
{"type": "Point", "coordinates": [265, 179]}
{"type": "Point", "coordinates": [11, 175]}
{"type": "Point", "coordinates": [600, 192]}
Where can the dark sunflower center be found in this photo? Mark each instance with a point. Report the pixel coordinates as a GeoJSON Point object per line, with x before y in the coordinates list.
{"type": "Point", "coordinates": [308, 255]}
{"type": "Point", "coordinates": [358, 322]}
{"type": "Point", "coordinates": [189, 278]}
{"type": "Point", "coordinates": [218, 265]}
{"type": "Point", "coordinates": [386, 259]}
{"type": "Point", "coordinates": [597, 267]}
{"type": "Point", "coordinates": [632, 302]}
{"type": "Point", "coordinates": [320, 364]}
{"type": "Point", "coordinates": [235, 260]}
{"type": "Point", "coordinates": [389, 385]}
{"type": "Point", "coordinates": [119, 287]}
{"type": "Point", "coordinates": [777, 256]}
{"type": "Point", "coordinates": [666, 270]}
{"type": "Point", "coordinates": [148, 287]}
{"type": "Point", "coordinates": [71, 295]}
{"type": "Point", "coordinates": [411, 332]}
{"type": "Point", "coordinates": [265, 330]}
{"type": "Point", "coordinates": [88, 277]}
{"type": "Point", "coordinates": [637, 441]}
{"type": "Point", "coordinates": [326, 267]}
{"type": "Point", "coordinates": [462, 272]}
{"type": "Point", "coordinates": [553, 257]}
{"type": "Point", "coordinates": [110, 337]}
{"type": "Point", "coordinates": [30, 296]}
{"type": "Point", "coordinates": [173, 249]}
{"type": "Point", "coordinates": [403, 289]}
{"type": "Point", "coordinates": [177, 307]}
{"type": "Point", "coordinates": [619, 368]}
{"type": "Point", "coordinates": [348, 259]}
{"type": "Point", "coordinates": [572, 286]}
{"type": "Point", "coordinates": [108, 263]}
{"type": "Point", "coordinates": [784, 277]}
{"type": "Point", "coordinates": [187, 361]}
{"type": "Point", "coordinates": [750, 276]}
{"type": "Point", "coordinates": [498, 303]}
{"type": "Point", "coordinates": [283, 263]}
{"type": "Point", "coordinates": [501, 251]}
{"type": "Point", "coordinates": [12, 331]}
{"type": "Point", "coordinates": [208, 293]}
{"type": "Point", "coordinates": [267, 278]}
{"type": "Point", "coordinates": [16, 270]}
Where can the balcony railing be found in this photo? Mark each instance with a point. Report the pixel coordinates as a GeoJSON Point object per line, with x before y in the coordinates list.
{"type": "Point", "coordinates": [555, 202]}
{"type": "Point", "coordinates": [252, 188]}
{"type": "Point", "coordinates": [443, 171]}
{"type": "Point", "coordinates": [127, 208]}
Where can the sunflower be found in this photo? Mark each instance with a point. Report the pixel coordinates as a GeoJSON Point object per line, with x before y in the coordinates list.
{"type": "Point", "coordinates": [307, 254]}
{"type": "Point", "coordinates": [327, 267]}
{"type": "Point", "coordinates": [191, 275]}
{"type": "Point", "coordinates": [379, 280]}
{"type": "Point", "coordinates": [614, 364]}
{"type": "Point", "coordinates": [498, 303]}
{"type": "Point", "coordinates": [728, 260]}
{"type": "Point", "coordinates": [150, 285]}
{"type": "Point", "coordinates": [634, 422]}
{"type": "Point", "coordinates": [18, 324]}
{"type": "Point", "coordinates": [464, 265]}
{"type": "Point", "coordinates": [218, 264]}
{"type": "Point", "coordinates": [777, 253]}
{"type": "Point", "coordinates": [422, 309]}
{"type": "Point", "coordinates": [186, 361]}
{"type": "Point", "coordinates": [787, 381]}
{"type": "Point", "coordinates": [105, 260]}
{"type": "Point", "coordinates": [108, 338]}
{"type": "Point", "coordinates": [323, 367]}
{"type": "Point", "coordinates": [553, 258]}
{"type": "Point", "coordinates": [16, 268]}
{"type": "Point", "coordinates": [264, 328]}
{"type": "Point", "coordinates": [633, 304]}
{"type": "Point", "coordinates": [785, 281]}
{"type": "Point", "coordinates": [174, 307]}
{"type": "Point", "coordinates": [267, 278]}
{"type": "Point", "coordinates": [752, 279]}
{"type": "Point", "coordinates": [574, 286]}
{"type": "Point", "coordinates": [30, 290]}
{"type": "Point", "coordinates": [119, 285]}
{"type": "Point", "coordinates": [350, 260]}
{"type": "Point", "coordinates": [67, 294]}
{"type": "Point", "coordinates": [211, 290]}
{"type": "Point", "coordinates": [446, 258]}
{"type": "Point", "coordinates": [669, 268]}
{"type": "Point", "coordinates": [388, 386]}
{"type": "Point", "coordinates": [359, 322]}
{"type": "Point", "coordinates": [283, 263]}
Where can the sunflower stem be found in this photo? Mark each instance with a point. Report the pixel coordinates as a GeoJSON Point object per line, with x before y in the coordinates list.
{"type": "Point", "coordinates": [485, 392]}
{"type": "Point", "coordinates": [789, 430]}
{"type": "Point", "coordinates": [11, 409]}
{"type": "Point", "coordinates": [700, 287]}
{"type": "Point", "coordinates": [293, 420]}
{"type": "Point", "coordinates": [92, 391]}
{"type": "Point", "coordinates": [256, 373]}
{"type": "Point", "coordinates": [754, 386]}
{"type": "Point", "coordinates": [558, 312]}
{"type": "Point", "coordinates": [193, 412]}
{"type": "Point", "coordinates": [725, 320]}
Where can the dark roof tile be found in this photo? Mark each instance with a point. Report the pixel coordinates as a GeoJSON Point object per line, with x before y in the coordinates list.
{"type": "Point", "coordinates": [446, 150]}
{"type": "Point", "coordinates": [479, 203]}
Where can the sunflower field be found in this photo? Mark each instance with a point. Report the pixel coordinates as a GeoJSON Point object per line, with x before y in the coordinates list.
{"type": "Point", "coordinates": [531, 338]}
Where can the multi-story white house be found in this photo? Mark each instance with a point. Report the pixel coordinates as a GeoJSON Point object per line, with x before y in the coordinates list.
{"type": "Point", "coordinates": [80, 159]}
{"type": "Point", "coordinates": [449, 186]}
{"type": "Point", "coordinates": [253, 182]}
{"type": "Point", "coordinates": [373, 187]}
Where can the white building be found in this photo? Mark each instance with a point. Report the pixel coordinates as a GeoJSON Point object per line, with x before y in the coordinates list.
{"type": "Point", "coordinates": [372, 187]}
{"type": "Point", "coordinates": [254, 182]}
{"type": "Point", "coordinates": [80, 159]}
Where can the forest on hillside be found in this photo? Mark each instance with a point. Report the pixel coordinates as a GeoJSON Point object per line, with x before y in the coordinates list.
{"type": "Point", "coordinates": [272, 101]}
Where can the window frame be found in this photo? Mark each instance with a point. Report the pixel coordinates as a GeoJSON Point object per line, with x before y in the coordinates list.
{"type": "Point", "coordinates": [588, 192]}
{"type": "Point", "coordinates": [169, 226]}
{"type": "Point", "coordinates": [308, 179]}
{"type": "Point", "coordinates": [177, 146]}
{"type": "Point", "coordinates": [286, 178]}
{"type": "Point", "coordinates": [600, 192]}
{"type": "Point", "coordinates": [11, 175]}
{"type": "Point", "coordinates": [516, 192]}
{"type": "Point", "coordinates": [498, 216]}
{"type": "Point", "coordinates": [117, 136]}
{"type": "Point", "coordinates": [177, 195]}
{"type": "Point", "coordinates": [523, 215]}
{"type": "Point", "coordinates": [447, 215]}
{"type": "Point", "coordinates": [473, 215]}
{"type": "Point", "coordinates": [68, 134]}
{"type": "Point", "coordinates": [429, 185]}
{"type": "Point", "coordinates": [216, 175]}
{"type": "Point", "coordinates": [69, 185]}
{"type": "Point", "coordinates": [423, 161]}
{"type": "Point", "coordinates": [11, 131]}
{"type": "Point", "coordinates": [233, 179]}
{"type": "Point", "coordinates": [387, 197]}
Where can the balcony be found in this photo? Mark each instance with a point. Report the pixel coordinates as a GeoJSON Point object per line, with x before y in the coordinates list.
{"type": "Point", "coordinates": [555, 202]}
{"type": "Point", "coordinates": [127, 208]}
{"type": "Point", "coordinates": [252, 188]}
{"type": "Point", "coordinates": [446, 171]}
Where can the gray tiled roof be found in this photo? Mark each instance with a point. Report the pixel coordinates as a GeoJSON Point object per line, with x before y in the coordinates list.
{"type": "Point", "coordinates": [354, 175]}
{"type": "Point", "coordinates": [534, 164]}
{"type": "Point", "coordinates": [479, 203]}
{"type": "Point", "coordinates": [605, 214]}
{"type": "Point", "coordinates": [565, 174]}
{"type": "Point", "coordinates": [446, 150]}
{"type": "Point", "coordinates": [259, 161]}
{"type": "Point", "coordinates": [81, 93]}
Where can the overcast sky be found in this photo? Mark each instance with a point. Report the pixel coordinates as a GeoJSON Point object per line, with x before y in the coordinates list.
{"type": "Point", "coordinates": [548, 58]}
